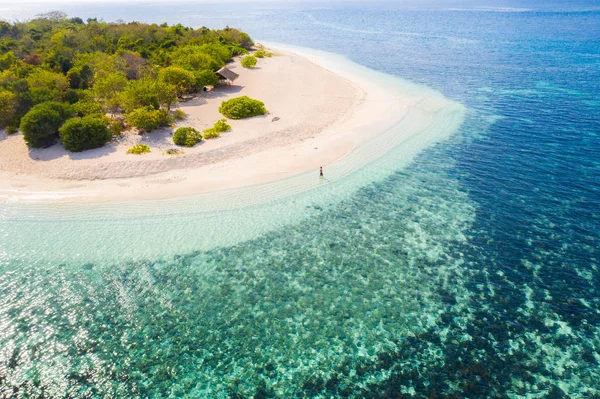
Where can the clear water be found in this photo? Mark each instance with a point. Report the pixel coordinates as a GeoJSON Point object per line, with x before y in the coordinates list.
{"type": "Point", "coordinates": [470, 272]}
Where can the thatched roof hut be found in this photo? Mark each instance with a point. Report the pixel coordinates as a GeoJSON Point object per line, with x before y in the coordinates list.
{"type": "Point", "coordinates": [226, 76]}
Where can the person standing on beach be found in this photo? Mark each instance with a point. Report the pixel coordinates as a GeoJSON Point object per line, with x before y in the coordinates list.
{"type": "Point", "coordinates": [321, 172]}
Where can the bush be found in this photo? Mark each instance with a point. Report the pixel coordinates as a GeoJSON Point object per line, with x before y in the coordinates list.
{"type": "Point", "coordinates": [8, 107]}
{"type": "Point", "coordinates": [249, 62]}
{"type": "Point", "coordinates": [211, 133]}
{"type": "Point", "coordinates": [186, 136]}
{"type": "Point", "coordinates": [11, 129]}
{"type": "Point", "coordinates": [139, 149]}
{"type": "Point", "coordinates": [259, 54]}
{"type": "Point", "coordinates": [116, 127]}
{"type": "Point", "coordinates": [148, 118]}
{"type": "Point", "coordinates": [87, 107]}
{"type": "Point", "coordinates": [80, 134]}
{"type": "Point", "coordinates": [242, 107]}
{"type": "Point", "coordinates": [222, 126]}
{"type": "Point", "coordinates": [47, 85]}
{"type": "Point", "coordinates": [237, 50]}
{"type": "Point", "coordinates": [179, 115]}
{"type": "Point", "coordinates": [40, 125]}
{"type": "Point", "coordinates": [173, 151]}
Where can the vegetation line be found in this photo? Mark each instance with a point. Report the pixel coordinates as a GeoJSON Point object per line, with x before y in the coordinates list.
{"type": "Point", "coordinates": [87, 81]}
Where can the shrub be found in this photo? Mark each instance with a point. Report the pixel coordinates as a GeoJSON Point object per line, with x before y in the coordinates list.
{"type": "Point", "coordinates": [139, 149]}
{"type": "Point", "coordinates": [40, 125]}
{"type": "Point", "coordinates": [148, 118]}
{"type": "Point", "coordinates": [249, 62]}
{"type": "Point", "coordinates": [179, 115]}
{"type": "Point", "coordinates": [11, 129]}
{"type": "Point", "coordinates": [211, 133]}
{"type": "Point", "coordinates": [64, 110]}
{"type": "Point", "coordinates": [116, 127]}
{"type": "Point", "coordinates": [242, 107]}
{"type": "Point", "coordinates": [47, 85]}
{"type": "Point", "coordinates": [259, 54]}
{"type": "Point", "coordinates": [80, 134]}
{"type": "Point", "coordinates": [173, 151]}
{"type": "Point", "coordinates": [87, 107]}
{"type": "Point", "coordinates": [269, 55]}
{"type": "Point", "coordinates": [237, 50]}
{"type": "Point", "coordinates": [8, 105]}
{"type": "Point", "coordinates": [222, 126]}
{"type": "Point", "coordinates": [186, 136]}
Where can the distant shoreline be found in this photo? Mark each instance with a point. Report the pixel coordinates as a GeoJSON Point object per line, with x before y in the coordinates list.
{"type": "Point", "coordinates": [322, 117]}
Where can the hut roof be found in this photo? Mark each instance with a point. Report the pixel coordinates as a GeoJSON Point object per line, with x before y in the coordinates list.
{"type": "Point", "coordinates": [228, 74]}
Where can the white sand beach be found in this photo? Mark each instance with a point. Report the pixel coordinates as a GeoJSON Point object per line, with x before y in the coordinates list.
{"type": "Point", "coordinates": [317, 115]}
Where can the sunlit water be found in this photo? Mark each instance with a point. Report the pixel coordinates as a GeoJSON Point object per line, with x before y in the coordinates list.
{"type": "Point", "coordinates": [471, 271]}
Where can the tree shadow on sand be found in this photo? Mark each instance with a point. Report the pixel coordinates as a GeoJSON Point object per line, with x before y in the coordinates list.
{"type": "Point", "coordinates": [56, 151]}
{"type": "Point", "coordinates": [203, 97]}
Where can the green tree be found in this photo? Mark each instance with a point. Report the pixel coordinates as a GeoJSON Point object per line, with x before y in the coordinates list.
{"type": "Point", "coordinates": [218, 52]}
{"type": "Point", "coordinates": [108, 89]}
{"type": "Point", "coordinates": [47, 86]}
{"type": "Point", "coordinates": [23, 99]}
{"type": "Point", "coordinates": [249, 62]}
{"type": "Point", "coordinates": [178, 77]}
{"type": "Point", "coordinates": [231, 35]}
{"type": "Point", "coordinates": [101, 64]}
{"type": "Point", "coordinates": [80, 77]}
{"type": "Point", "coordinates": [166, 94]}
{"type": "Point", "coordinates": [80, 134]}
{"type": "Point", "coordinates": [8, 107]}
{"type": "Point", "coordinates": [7, 60]}
{"type": "Point", "coordinates": [87, 107]}
{"type": "Point", "coordinates": [138, 94]}
{"type": "Point", "coordinates": [148, 93]}
{"type": "Point", "coordinates": [193, 58]}
{"type": "Point", "coordinates": [40, 125]}
{"type": "Point", "coordinates": [148, 118]}
{"type": "Point", "coordinates": [206, 78]}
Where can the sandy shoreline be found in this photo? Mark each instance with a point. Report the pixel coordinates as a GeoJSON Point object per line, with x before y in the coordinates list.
{"type": "Point", "coordinates": [323, 115]}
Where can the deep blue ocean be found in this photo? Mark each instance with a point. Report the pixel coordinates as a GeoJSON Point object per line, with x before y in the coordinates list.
{"type": "Point", "coordinates": [473, 273]}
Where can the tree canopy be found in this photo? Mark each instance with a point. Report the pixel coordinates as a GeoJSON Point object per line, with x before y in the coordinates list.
{"type": "Point", "coordinates": [99, 66]}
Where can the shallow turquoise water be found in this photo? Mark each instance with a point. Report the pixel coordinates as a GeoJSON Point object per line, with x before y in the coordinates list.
{"type": "Point", "coordinates": [471, 272]}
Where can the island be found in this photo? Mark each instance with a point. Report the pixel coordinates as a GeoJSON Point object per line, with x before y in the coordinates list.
{"type": "Point", "coordinates": [118, 111]}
